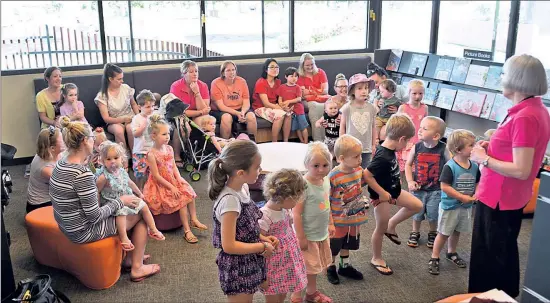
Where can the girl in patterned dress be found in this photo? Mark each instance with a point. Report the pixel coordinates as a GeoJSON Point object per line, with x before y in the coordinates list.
{"type": "Point", "coordinates": [243, 249]}
{"type": "Point", "coordinates": [286, 270]}
{"type": "Point", "coordinates": [166, 191]}
{"type": "Point", "coordinates": [112, 182]}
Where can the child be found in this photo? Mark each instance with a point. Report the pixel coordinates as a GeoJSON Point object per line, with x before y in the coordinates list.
{"type": "Point", "coordinates": [165, 190]}
{"type": "Point", "coordinates": [358, 116]}
{"type": "Point", "coordinates": [423, 168]}
{"type": "Point", "coordinates": [329, 122]}
{"type": "Point", "coordinates": [458, 184]}
{"type": "Point", "coordinates": [208, 125]}
{"type": "Point", "coordinates": [112, 182]}
{"type": "Point", "coordinates": [241, 261]}
{"type": "Point", "coordinates": [347, 206]}
{"type": "Point", "coordinates": [382, 177]}
{"type": "Point", "coordinates": [100, 137]}
{"type": "Point", "coordinates": [70, 106]}
{"type": "Point", "coordinates": [290, 99]}
{"type": "Point", "coordinates": [415, 110]}
{"type": "Point", "coordinates": [142, 140]}
{"type": "Point", "coordinates": [387, 90]}
{"type": "Point", "coordinates": [286, 270]}
{"type": "Point", "coordinates": [312, 220]}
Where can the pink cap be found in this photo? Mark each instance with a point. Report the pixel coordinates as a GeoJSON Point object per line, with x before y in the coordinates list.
{"type": "Point", "coordinates": [357, 78]}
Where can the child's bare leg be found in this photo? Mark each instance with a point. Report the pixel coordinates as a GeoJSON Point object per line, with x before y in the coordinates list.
{"type": "Point", "coordinates": [184, 217]}
{"type": "Point", "coordinates": [278, 298]}
{"type": "Point", "coordinates": [240, 298]}
{"type": "Point", "coordinates": [123, 234]}
{"type": "Point", "coordinates": [193, 212]}
{"type": "Point", "coordinates": [150, 221]}
{"type": "Point", "coordinates": [382, 216]}
{"type": "Point", "coordinates": [416, 225]}
{"type": "Point", "coordinates": [305, 135]}
{"type": "Point", "coordinates": [382, 134]}
{"type": "Point", "coordinates": [410, 205]}
{"type": "Point", "coordinates": [378, 132]}
{"type": "Point", "coordinates": [297, 296]}
{"type": "Point", "coordinates": [311, 284]}
{"type": "Point", "coordinates": [438, 245]}
{"type": "Point", "coordinates": [433, 225]}
{"type": "Point", "coordinates": [453, 242]}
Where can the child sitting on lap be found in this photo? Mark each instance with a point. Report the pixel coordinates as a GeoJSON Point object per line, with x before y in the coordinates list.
{"type": "Point", "coordinates": [387, 90]}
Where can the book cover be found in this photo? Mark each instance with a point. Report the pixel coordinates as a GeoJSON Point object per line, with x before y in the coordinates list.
{"type": "Point", "coordinates": [394, 60]}
{"type": "Point", "coordinates": [494, 78]}
{"type": "Point", "coordinates": [477, 75]}
{"type": "Point", "coordinates": [445, 98]}
{"type": "Point", "coordinates": [444, 69]}
{"type": "Point", "coordinates": [460, 70]}
{"type": "Point", "coordinates": [547, 96]}
{"type": "Point", "coordinates": [430, 95]}
{"type": "Point", "coordinates": [448, 132]}
{"type": "Point", "coordinates": [488, 105]}
{"type": "Point", "coordinates": [417, 65]}
{"type": "Point", "coordinates": [468, 102]}
{"type": "Point", "coordinates": [500, 108]}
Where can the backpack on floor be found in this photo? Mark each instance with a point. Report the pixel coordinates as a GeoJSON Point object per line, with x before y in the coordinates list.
{"type": "Point", "coordinates": [38, 290]}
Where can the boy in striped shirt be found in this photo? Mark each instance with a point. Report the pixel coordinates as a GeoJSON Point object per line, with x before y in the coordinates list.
{"type": "Point", "coordinates": [347, 206]}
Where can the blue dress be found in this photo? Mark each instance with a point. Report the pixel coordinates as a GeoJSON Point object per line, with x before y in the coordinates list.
{"type": "Point", "coordinates": [117, 186]}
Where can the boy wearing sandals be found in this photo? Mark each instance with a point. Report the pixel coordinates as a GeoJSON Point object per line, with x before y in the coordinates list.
{"type": "Point", "coordinates": [459, 180]}
{"type": "Point", "coordinates": [423, 168]}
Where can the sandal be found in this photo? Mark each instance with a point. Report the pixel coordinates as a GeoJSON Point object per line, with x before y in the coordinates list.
{"type": "Point", "coordinates": [198, 225]}
{"type": "Point", "coordinates": [379, 267]}
{"type": "Point", "coordinates": [179, 163]}
{"type": "Point", "coordinates": [190, 239]}
{"type": "Point", "coordinates": [413, 239]}
{"type": "Point", "coordinates": [127, 246]}
{"type": "Point", "coordinates": [127, 269]}
{"type": "Point", "coordinates": [155, 269]}
{"type": "Point", "coordinates": [296, 300]}
{"type": "Point", "coordinates": [157, 235]}
{"type": "Point", "coordinates": [458, 261]}
{"type": "Point", "coordinates": [394, 238]}
{"type": "Point", "coordinates": [431, 239]}
{"type": "Point", "coordinates": [433, 266]}
{"type": "Point", "coordinates": [318, 297]}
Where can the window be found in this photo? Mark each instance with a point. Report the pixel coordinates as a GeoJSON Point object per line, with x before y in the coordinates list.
{"type": "Point", "coordinates": [38, 34]}
{"type": "Point", "coordinates": [534, 30]}
{"type": "Point", "coordinates": [276, 24]}
{"type": "Point", "coordinates": [116, 18]}
{"type": "Point", "coordinates": [330, 25]}
{"type": "Point", "coordinates": [477, 25]}
{"type": "Point", "coordinates": [406, 25]}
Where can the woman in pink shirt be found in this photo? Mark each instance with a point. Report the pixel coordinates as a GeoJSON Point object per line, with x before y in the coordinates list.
{"type": "Point", "coordinates": [190, 90]}
{"type": "Point", "coordinates": [511, 162]}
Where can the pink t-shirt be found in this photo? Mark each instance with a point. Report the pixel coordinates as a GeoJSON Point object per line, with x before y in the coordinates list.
{"type": "Point", "coordinates": [527, 125]}
{"type": "Point", "coordinates": [184, 93]}
{"type": "Point", "coordinates": [316, 81]}
{"type": "Point", "coordinates": [67, 109]}
{"type": "Point", "coordinates": [262, 87]}
{"type": "Point", "coordinates": [416, 115]}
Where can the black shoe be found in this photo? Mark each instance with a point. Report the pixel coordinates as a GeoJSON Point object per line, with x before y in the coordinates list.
{"type": "Point", "coordinates": [413, 239]}
{"type": "Point", "coordinates": [350, 272]}
{"type": "Point", "coordinates": [433, 266]}
{"type": "Point", "coordinates": [332, 276]}
{"type": "Point", "coordinates": [431, 239]}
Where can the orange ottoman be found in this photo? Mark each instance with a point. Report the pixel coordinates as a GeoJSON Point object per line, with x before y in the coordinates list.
{"type": "Point", "coordinates": [165, 222]}
{"type": "Point", "coordinates": [96, 264]}
{"type": "Point", "coordinates": [530, 207]}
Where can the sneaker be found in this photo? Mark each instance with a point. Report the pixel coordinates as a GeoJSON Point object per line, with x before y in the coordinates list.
{"type": "Point", "coordinates": [332, 276]}
{"type": "Point", "coordinates": [350, 272]}
{"type": "Point", "coordinates": [413, 239]}
{"type": "Point", "coordinates": [431, 239]}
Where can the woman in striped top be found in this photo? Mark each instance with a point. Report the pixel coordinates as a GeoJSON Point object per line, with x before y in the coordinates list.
{"type": "Point", "coordinates": [75, 201]}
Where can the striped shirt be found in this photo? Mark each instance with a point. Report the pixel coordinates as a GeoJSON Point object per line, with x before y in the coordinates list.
{"type": "Point", "coordinates": [348, 209]}
{"type": "Point", "coordinates": [76, 208]}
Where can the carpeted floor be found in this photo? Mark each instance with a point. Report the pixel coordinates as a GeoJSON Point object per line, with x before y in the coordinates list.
{"type": "Point", "coordinates": [189, 272]}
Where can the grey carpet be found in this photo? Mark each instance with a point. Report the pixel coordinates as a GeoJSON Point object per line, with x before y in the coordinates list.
{"type": "Point", "coordinates": [189, 272]}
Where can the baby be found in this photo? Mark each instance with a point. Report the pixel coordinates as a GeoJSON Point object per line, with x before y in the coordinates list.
{"type": "Point", "coordinates": [208, 125]}
{"type": "Point", "coordinates": [331, 122]}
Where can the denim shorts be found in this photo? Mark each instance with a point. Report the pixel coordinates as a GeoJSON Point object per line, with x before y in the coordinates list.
{"type": "Point", "coordinates": [430, 205]}
{"type": "Point", "coordinates": [299, 122]}
{"type": "Point", "coordinates": [458, 219]}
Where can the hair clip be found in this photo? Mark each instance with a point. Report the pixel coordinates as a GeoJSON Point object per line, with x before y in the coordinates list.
{"type": "Point", "coordinates": [51, 128]}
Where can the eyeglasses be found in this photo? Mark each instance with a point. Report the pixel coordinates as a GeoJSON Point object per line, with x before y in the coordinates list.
{"type": "Point", "coordinates": [341, 86]}
{"type": "Point", "coordinates": [273, 67]}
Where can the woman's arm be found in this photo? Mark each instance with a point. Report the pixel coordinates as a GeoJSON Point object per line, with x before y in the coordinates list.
{"type": "Point", "coordinates": [86, 189]}
{"type": "Point", "coordinates": [246, 106]}
{"type": "Point", "coordinates": [154, 171]}
{"type": "Point", "coordinates": [266, 103]}
{"type": "Point", "coordinates": [520, 167]}
{"type": "Point", "coordinates": [324, 89]}
{"type": "Point", "coordinates": [228, 233]}
{"type": "Point", "coordinates": [192, 113]}
{"type": "Point", "coordinates": [44, 118]}
{"type": "Point", "coordinates": [105, 115]}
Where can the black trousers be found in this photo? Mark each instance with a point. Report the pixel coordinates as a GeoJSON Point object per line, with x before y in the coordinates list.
{"type": "Point", "coordinates": [494, 262]}
{"type": "Point", "coordinates": [31, 207]}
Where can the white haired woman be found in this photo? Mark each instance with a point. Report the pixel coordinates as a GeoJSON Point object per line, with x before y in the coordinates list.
{"type": "Point", "coordinates": [511, 161]}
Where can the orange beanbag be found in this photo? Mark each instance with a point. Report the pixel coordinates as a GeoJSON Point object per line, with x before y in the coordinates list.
{"type": "Point", "coordinates": [96, 264]}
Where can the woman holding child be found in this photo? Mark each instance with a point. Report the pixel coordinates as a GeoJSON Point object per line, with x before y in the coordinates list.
{"type": "Point", "coordinates": [511, 161]}
{"type": "Point", "coordinates": [48, 98]}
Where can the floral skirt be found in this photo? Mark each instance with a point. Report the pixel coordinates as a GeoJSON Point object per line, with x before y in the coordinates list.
{"type": "Point", "coordinates": [271, 114]}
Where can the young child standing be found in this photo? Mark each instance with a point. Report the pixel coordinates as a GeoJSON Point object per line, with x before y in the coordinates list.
{"type": "Point", "coordinates": [387, 90]}
{"type": "Point", "coordinates": [358, 116]}
{"type": "Point", "coordinates": [383, 179]}
{"type": "Point", "coordinates": [165, 190]}
{"type": "Point", "coordinates": [290, 99]}
{"type": "Point", "coordinates": [313, 222]}
{"type": "Point", "coordinates": [458, 183]}
{"type": "Point", "coordinates": [112, 182]}
{"type": "Point", "coordinates": [423, 168]}
{"type": "Point", "coordinates": [330, 122]}
{"type": "Point", "coordinates": [70, 106]}
{"type": "Point", "coordinates": [286, 270]}
{"type": "Point", "coordinates": [243, 249]}
{"type": "Point", "coordinates": [142, 141]}
{"type": "Point", "coordinates": [347, 207]}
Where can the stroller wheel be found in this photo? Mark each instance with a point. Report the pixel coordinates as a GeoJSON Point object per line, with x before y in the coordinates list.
{"type": "Point", "coordinates": [189, 167]}
{"type": "Point", "coordinates": [195, 176]}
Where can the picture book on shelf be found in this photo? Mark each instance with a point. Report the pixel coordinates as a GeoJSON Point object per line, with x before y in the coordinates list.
{"type": "Point", "coordinates": [405, 81]}
{"type": "Point", "coordinates": [394, 60]}
{"type": "Point", "coordinates": [500, 108]}
{"type": "Point", "coordinates": [444, 69]}
{"type": "Point", "coordinates": [460, 70]}
{"type": "Point", "coordinates": [430, 95]}
{"type": "Point", "coordinates": [494, 77]}
{"type": "Point", "coordinates": [469, 102]}
{"type": "Point", "coordinates": [445, 98]}
{"type": "Point", "coordinates": [476, 75]}
{"type": "Point", "coordinates": [488, 105]}
{"type": "Point", "coordinates": [417, 65]}
{"type": "Point", "coordinates": [448, 132]}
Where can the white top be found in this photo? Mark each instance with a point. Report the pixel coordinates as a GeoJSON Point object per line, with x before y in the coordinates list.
{"type": "Point", "coordinates": [271, 216]}
{"type": "Point", "coordinates": [279, 155]}
{"type": "Point", "coordinates": [143, 143]}
{"type": "Point", "coordinates": [230, 200]}
{"type": "Point", "coordinates": [119, 106]}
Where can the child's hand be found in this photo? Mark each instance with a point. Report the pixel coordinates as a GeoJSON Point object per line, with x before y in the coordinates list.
{"type": "Point", "coordinates": [141, 196]}
{"type": "Point", "coordinates": [331, 230]}
{"type": "Point", "coordinates": [385, 197]}
{"type": "Point", "coordinates": [175, 192]}
{"type": "Point", "coordinates": [303, 243]}
{"type": "Point", "coordinates": [273, 240]}
{"type": "Point", "coordinates": [269, 249]}
{"type": "Point", "coordinates": [467, 199]}
{"type": "Point", "coordinates": [413, 185]}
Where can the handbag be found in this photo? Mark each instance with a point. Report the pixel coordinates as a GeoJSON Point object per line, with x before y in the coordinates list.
{"type": "Point", "coordinates": [38, 290]}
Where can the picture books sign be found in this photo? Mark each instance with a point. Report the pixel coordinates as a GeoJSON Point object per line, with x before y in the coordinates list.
{"type": "Point", "coordinates": [477, 54]}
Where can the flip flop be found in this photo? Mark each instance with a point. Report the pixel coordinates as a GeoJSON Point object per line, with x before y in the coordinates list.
{"type": "Point", "coordinates": [155, 269]}
{"type": "Point", "coordinates": [127, 246]}
{"type": "Point", "coordinates": [127, 269]}
{"type": "Point", "coordinates": [157, 235]}
{"type": "Point", "coordinates": [378, 267]}
{"type": "Point", "coordinates": [191, 240]}
{"type": "Point", "coordinates": [393, 237]}
{"type": "Point", "coordinates": [198, 227]}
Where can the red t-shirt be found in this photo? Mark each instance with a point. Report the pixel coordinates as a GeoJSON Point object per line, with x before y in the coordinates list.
{"type": "Point", "coordinates": [184, 93]}
{"type": "Point", "coordinates": [262, 87]}
{"type": "Point", "coordinates": [316, 81]}
{"type": "Point", "coordinates": [292, 92]}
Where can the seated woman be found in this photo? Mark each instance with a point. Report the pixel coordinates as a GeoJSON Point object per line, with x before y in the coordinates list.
{"type": "Point", "coordinates": [48, 147]}
{"type": "Point", "coordinates": [117, 105]}
{"type": "Point", "coordinates": [75, 201]}
{"type": "Point", "coordinates": [48, 98]}
{"type": "Point", "coordinates": [265, 101]}
{"type": "Point", "coordinates": [190, 90]}
{"type": "Point", "coordinates": [232, 101]}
